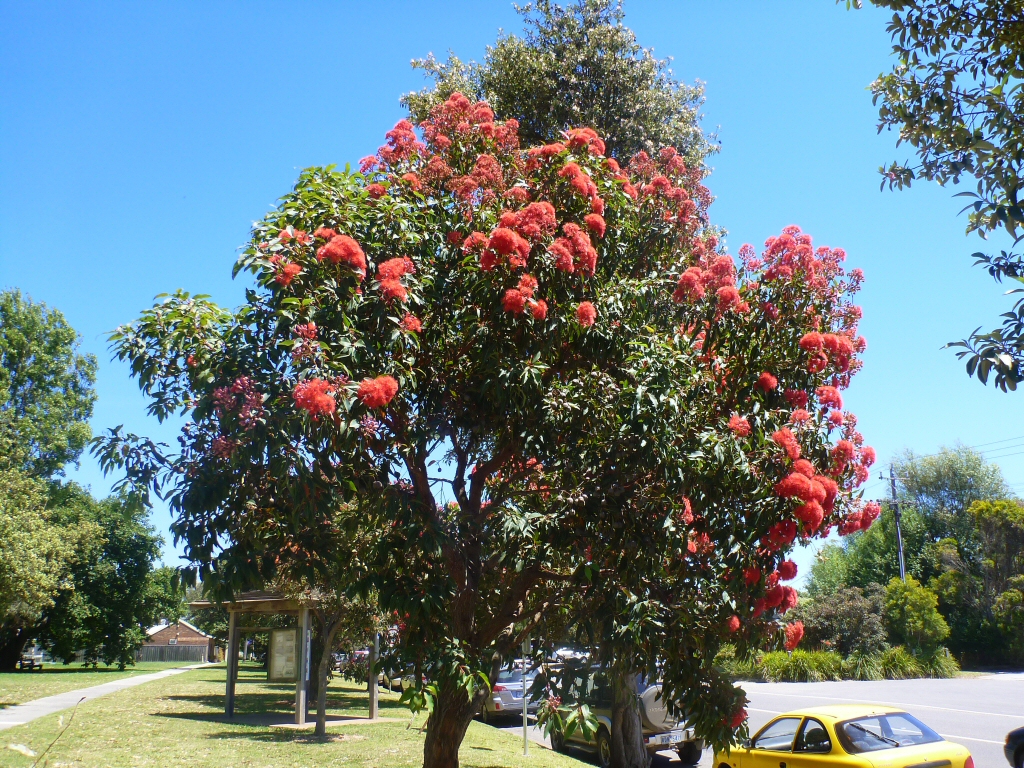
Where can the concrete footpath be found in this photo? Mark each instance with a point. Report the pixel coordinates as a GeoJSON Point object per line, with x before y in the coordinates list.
{"type": "Point", "coordinates": [49, 705]}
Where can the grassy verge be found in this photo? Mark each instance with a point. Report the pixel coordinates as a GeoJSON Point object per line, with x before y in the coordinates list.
{"type": "Point", "coordinates": [179, 721]}
{"type": "Point", "coordinates": [19, 687]}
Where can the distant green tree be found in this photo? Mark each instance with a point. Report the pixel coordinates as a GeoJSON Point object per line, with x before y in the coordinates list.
{"type": "Point", "coordinates": [165, 594]}
{"type": "Point", "coordinates": [1000, 526]}
{"type": "Point", "coordinates": [576, 65]}
{"type": "Point", "coordinates": [1008, 610]}
{"type": "Point", "coordinates": [112, 597]}
{"type": "Point", "coordinates": [46, 386]}
{"type": "Point", "coordinates": [912, 617]}
{"type": "Point", "coordinates": [873, 555]}
{"type": "Point", "coordinates": [829, 572]}
{"type": "Point", "coordinates": [942, 487]}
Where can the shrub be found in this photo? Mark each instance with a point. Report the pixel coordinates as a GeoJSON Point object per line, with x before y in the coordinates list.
{"type": "Point", "coordinates": [899, 664]}
{"type": "Point", "coordinates": [736, 667]}
{"type": "Point", "coordinates": [801, 666]}
{"type": "Point", "coordinates": [912, 616]}
{"type": "Point", "coordinates": [940, 664]}
{"type": "Point", "coordinates": [846, 620]}
{"type": "Point", "coordinates": [863, 666]}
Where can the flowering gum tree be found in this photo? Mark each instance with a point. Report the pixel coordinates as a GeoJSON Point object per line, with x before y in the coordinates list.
{"type": "Point", "coordinates": [463, 339]}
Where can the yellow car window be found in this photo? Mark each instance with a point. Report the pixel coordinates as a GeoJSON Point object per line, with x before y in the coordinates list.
{"type": "Point", "coordinates": [778, 736]}
{"type": "Point", "coordinates": [813, 738]}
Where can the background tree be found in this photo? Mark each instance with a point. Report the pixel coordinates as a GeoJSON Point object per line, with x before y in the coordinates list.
{"type": "Point", "coordinates": [912, 616]}
{"type": "Point", "coordinates": [46, 387]}
{"type": "Point", "coordinates": [111, 598]}
{"type": "Point", "coordinates": [576, 65]}
{"type": "Point", "coordinates": [509, 292]}
{"type": "Point", "coordinates": [848, 620]}
{"type": "Point", "coordinates": [955, 95]}
{"type": "Point", "coordinates": [35, 553]}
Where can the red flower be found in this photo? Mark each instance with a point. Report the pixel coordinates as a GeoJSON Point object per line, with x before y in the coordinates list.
{"type": "Point", "coordinates": [690, 286]}
{"type": "Point", "coordinates": [687, 515]}
{"type": "Point", "coordinates": [790, 598]}
{"type": "Point", "coordinates": [586, 314]}
{"type": "Point", "coordinates": [871, 512]}
{"type": "Point", "coordinates": [411, 323]}
{"type": "Point", "coordinates": [852, 523]}
{"type": "Point", "coordinates": [794, 634]}
{"type": "Point", "coordinates": [376, 191]}
{"type": "Point", "coordinates": [305, 331]}
{"type": "Point", "coordinates": [804, 467]}
{"type": "Point", "coordinates": [829, 396]}
{"type": "Point", "coordinates": [514, 301]}
{"type": "Point", "coordinates": [836, 418]}
{"type": "Point", "coordinates": [412, 180]}
{"type": "Point", "coordinates": [733, 623]}
{"type": "Point", "coordinates": [739, 425]}
{"type": "Point", "coordinates": [378, 392]}
{"type": "Point", "coordinates": [527, 285]}
{"type": "Point", "coordinates": [867, 455]}
{"type": "Point", "coordinates": [561, 249]}
{"type": "Point", "coordinates": [315, 396]}
{"type": "Point", "coordinates": [343, 250]}
{"type": "Point", "coordinates": [799, 416]}
{"type": "Point", "coordinates": [796, 397]}
{"type": "Point", "coordinates": [392, 269]}
{"type": "Point", "coordinates": [487, 172]}
{"type": "Point", "coordinates": [752, 575]}
{"type": "Point", "coordinates": [844, 451]}
{"type": "Point", "coordinates": [794, 485]}
{"type": "Point", "coordinates": [812, 341]}
{"type": "Point", "coordinates": [728, 296]}
{"type": "Point", "coordinates": [539, 309]}
{"type": "Point", "coordinates": [787, 570]}
{"type": "Point", "coordinates": [774, 596]}
{"type": "Point", "coordinates": [324, 233]}
{"type": "Point", "coordinates": [286, 272]}
{"type": "Point", "coordinates": [811, 514]}
{"type": "Point", "coordinates": [788, 442]}
{"type": "Point", "coordinates": [595, 222]}
{"type": "Point", "coordinates": [766, 382]}
{"type": "Point", "coordinates": [738, 718]}
{"type": "Point", "coordinates": [393, 290]}
{"type": "Point", "coordinates": [474, 242]}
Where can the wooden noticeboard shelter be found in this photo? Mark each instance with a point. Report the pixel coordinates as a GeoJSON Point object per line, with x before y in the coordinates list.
{"type": "Point", "coordinates": [293, 650]}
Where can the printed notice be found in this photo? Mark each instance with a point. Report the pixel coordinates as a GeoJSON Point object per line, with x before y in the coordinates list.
{"type": "Point", "coordinates": [284, 656]}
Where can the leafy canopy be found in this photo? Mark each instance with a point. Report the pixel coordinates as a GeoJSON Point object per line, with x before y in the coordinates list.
{"type": "Point", "coordinates": [515, 374]}
{"type": "Point", "coordinates": [46, 386]}
{"type": "Point", "coordinates": [576, 65]}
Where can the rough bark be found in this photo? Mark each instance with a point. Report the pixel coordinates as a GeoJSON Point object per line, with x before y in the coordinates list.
{"type": "Point", "coordinates": [627, 729]}
{"type": "Point", "coordinates": [446, 728]}
{"type": "Point", "coordinates": [329, 628]}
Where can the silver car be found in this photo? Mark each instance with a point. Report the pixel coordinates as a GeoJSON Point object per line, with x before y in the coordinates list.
{"type": "Point", "coordinates": [507, 694]}
{"type": "Point", "coordinates": [661, 730]}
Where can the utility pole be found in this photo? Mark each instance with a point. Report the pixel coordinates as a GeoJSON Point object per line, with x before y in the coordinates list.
{"type": "Point", "coordinates": [371, 662]}
{"type": "Point", "coordinates": [896, 515]}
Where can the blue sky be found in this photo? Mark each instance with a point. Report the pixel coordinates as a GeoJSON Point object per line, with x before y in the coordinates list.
{"type": "Point", "coordinates": [138, 141]}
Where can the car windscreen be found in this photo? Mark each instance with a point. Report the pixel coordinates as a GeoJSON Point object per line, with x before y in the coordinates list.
{"type": "Point", "coordinates": [506, 676]}
{"type": "Point", "coordinates": [870, 734]}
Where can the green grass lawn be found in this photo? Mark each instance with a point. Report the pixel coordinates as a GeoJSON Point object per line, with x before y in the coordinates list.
{"type": "Point", "coordinates": [19, 687]}
{"type": "Point", "coordinates": [179, 721]}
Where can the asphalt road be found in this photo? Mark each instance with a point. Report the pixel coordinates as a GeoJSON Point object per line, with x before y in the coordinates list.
{"type": "Point", "coordinates": [974, 711]}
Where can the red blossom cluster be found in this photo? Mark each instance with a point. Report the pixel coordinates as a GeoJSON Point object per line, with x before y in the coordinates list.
{"type": "Point", "coordinates": [243, 397]}
{"type": "Point", "coordinates": [586, 314]}
{"type": "Point", "coordinates": [389, 276]}
{"type": "Point", "coordinates": [585, 138]}
{"type": "Point", "coordinates": [860, 519]}
{"type": "Point", "coordinates": [342, 249]}
{"type": "Point", "coordinates": [315, 396]}
{"type": "Point", "coordinates": [378, 392]}
{"type": "Point", "coordinates": [786, 440]}
{"type": "Point", "coordinates": [794, 634]}
{"type": "Point", "coordinates": [739, 425]}
{"type": "Point", "coordinates": [411, 323]}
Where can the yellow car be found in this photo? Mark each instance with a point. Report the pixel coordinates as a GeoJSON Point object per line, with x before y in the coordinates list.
{"type": "Point", "coordinates": [862, 735]}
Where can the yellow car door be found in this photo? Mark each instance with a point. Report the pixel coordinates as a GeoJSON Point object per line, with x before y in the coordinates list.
{"type": "Point", "coordinates": [772, 747]}
{"type": "Point", "coordinates": [815, 747]}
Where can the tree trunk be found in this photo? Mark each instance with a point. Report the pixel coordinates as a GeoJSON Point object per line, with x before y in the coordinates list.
{"type": "Point", "coordinates": [627, 730]}
{"type": "Point", "coordinates": [329, 628]}
{"type": "Point", "coordinates": [446, 728]}
{"type": "Point", "coordinates": [12, 643]}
